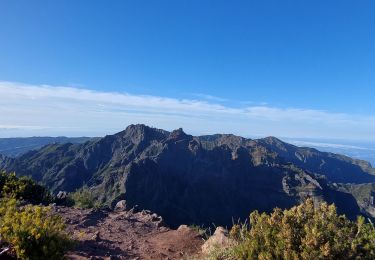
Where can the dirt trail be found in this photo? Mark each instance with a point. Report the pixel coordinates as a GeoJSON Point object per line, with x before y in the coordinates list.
{"type": "Point", "coordinates": [127, 235]}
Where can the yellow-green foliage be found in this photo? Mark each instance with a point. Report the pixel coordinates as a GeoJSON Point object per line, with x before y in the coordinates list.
{"type": "Point", "coordinates": [32, 231]}
{"type": "Point", "coordinates": [22, 188]}
{"type": "Point", "coordinates": [306, 231]}
{"type": "Point", "coordinates": [84, 198]}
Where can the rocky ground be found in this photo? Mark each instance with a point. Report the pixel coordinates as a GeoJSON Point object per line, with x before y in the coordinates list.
{"type": "Point", "coordinates": [127, 235]}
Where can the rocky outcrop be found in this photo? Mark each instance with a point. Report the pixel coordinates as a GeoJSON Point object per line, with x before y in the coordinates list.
{"type": "Point", "coordinates": [101, 234]}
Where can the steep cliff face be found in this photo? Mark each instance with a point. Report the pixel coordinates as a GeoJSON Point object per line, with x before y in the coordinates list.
{"type": "Point", "coordinates": [5, 161]}
{"type": "Point", "coordinates": [202, 180]}
{"type": "Point", "coordinates": [364, 195]}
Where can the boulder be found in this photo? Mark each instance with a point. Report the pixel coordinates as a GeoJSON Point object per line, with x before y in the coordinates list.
{"type": "Point", "coordinates": [121, 205]}
{"type": "Point", "coordinates": [220, 239]}
{"type": "Point", "coordinates": [62, 195]}
{"type": "Point", "coordinates": [183, 228]}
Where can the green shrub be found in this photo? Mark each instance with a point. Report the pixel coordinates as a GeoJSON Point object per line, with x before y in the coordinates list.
{"type": "Point", "coordinates": [204, 232]}
{"type": "Point", "coordinates": [302, 232]}
{"type": "Point", "coordinates": [32, 231]}
{"type": "Point", "coordinates": [84, 198]}
{"type": "Point", "coordinates": [22, 188]}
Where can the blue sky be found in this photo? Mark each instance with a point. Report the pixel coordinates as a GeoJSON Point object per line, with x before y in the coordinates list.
{"type": "Point", "coordinates": [284, 68]}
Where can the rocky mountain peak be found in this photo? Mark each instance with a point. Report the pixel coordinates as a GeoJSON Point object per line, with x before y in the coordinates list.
{"type": "Point", "coordinates": [275, 143]}
{"type": "Point", "coordinates": [178, 134]}
{"type": "Point", "coordinates": [140, 132]}
{"type": "Point", "coordinates": [137, 129]}
{"type": "Point", "coordinates": [273, 140]}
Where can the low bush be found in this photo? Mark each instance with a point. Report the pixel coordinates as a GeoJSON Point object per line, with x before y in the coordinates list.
{"type": "Point", "coordinates": [22, 188]}
{"type": "Point", "coordinates": [32, 231]}
{"type": "Point", "coordinates": [306, 231]}
{"type": "Point", "coordinates": [204, 232]}
{"type": "Point", "coordinates": [84, 198]}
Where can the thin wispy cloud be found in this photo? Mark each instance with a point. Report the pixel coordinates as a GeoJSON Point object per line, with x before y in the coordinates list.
{"type": "Point", "coordinates": [51, 110]}
{"type": "Point", "coordinates": [329, 145]}
{"type": "Point", "coordinates": [209, 97]}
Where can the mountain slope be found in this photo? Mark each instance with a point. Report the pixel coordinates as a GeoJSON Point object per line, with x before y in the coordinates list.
{"type": "Point", "coordinates": [202, 180]}
{"type": "Point", "coordinates": [336, 167]}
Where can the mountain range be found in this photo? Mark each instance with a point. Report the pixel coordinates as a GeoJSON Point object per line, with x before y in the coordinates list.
{"type": "Point", "coordinates": [17, 146]}
{"type": "Point", "coordinates": [200, 179]}
{"type": "Point", "coordinates": [359, 149]}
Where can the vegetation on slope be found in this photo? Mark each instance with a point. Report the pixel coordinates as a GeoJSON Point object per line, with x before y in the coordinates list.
{"type": "Point", "coordinates": [22, 188]}
{"type": "Point", "coordinates": [84, 198]}
{"type": "Point", "coordinates": [31, 231]}
{"type": "Point", "coordinates": [306, 231]}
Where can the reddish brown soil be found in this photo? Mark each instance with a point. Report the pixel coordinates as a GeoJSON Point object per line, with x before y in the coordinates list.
{"type": "Point", "coordinates": [127, 235]}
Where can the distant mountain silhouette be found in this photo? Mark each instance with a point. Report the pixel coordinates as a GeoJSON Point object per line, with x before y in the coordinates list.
{"type": "Point", "coordinates": [17, 146]}
{"type": "Point", "coordinates": [202, 180]}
